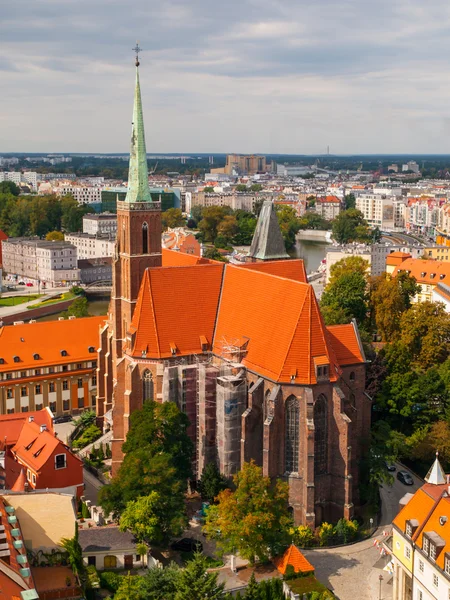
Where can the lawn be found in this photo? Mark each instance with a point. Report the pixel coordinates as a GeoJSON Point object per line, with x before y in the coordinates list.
{"type": "Point", "coordinates": [53, 300]}
{"type": "Point", "coordinates": [15, 300]}
{"type": "Point", "coordinates": [306, 585]}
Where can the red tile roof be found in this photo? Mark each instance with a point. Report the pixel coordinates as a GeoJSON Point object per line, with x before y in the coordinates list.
{"type": "Point", "coordinates": [47, 339]}
{"type": "Point", "coordinates": [172, 258]}
{"type": "Point", "coordinates": [11, 425]}
{"type": "Point", "coordinates": [345, 343]}
{"type": "Point", "coordinates": [290, 269]}
{"type": "Point", "coordinates": [430, 272]}
{"type": "Point", "coordinates": [294, 558]}
{"type": "Point", "coordinates": [175, 307]}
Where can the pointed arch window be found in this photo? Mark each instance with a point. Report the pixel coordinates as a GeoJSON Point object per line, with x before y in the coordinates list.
{"type": "Point", "coordinates": [320, 435]}
{"type": "Point", "coordinates": [292, 429]}
{"type": "Point", "coordinates": [148, 386]}
{"type": "Point", "coordinates": [145, 238]}
{"type": "Point", "coordinates": [266, 406]}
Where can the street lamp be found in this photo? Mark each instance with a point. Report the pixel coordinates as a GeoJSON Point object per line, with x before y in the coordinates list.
{"type": "Point", "coordinates": [380, 578]}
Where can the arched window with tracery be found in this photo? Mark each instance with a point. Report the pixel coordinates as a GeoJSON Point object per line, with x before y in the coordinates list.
{"type": "Point", "coordinates": [292, 434]}
{"type": "Point", "coordinates": [145, 238]}
{"type": "Point", "coordinates": [320, 435]}
{"type": "Point", "coordinates": [147, 386]}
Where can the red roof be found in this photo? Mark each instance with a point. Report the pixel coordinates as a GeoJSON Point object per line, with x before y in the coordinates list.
{"type": "Point", "coordinates": [11, 425]}
{"type": "Point", "coordinates": [345, 342]}
{"type": "Point", "coordinates": [172, 258]}
{"type": "Point", "coordinates": [46, 340]}
{"type": "Point", "coordinates": [295, 559]}
{"type": "Point", "coordinates": [290, 269]}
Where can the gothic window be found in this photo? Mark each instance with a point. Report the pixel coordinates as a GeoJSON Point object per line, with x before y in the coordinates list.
{"type": "Point", "coordinates": [320, 435]}
{"type": "Point", "coordinates": [147, 386]}
{"type": "Point", "coordinates": [145, 238]}
{"type": "Point", "coordinates": [352, 376]}
{"type": "Point", "coordinates": [266, 405]}
{"type": "Point", "coordinates": [292, 427]}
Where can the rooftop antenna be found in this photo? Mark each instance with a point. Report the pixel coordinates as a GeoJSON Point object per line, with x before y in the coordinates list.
{"type": "Point", "coordinates": [137, 50]}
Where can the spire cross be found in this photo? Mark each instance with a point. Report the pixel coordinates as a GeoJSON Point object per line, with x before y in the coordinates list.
{"type": "Point", "coordinates": [137, 50]}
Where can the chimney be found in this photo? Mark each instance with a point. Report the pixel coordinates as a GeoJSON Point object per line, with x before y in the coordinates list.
{"type": "Point", "coordinates": [43, 428]}
{"type": "Point", "coordinates": [30, 419]}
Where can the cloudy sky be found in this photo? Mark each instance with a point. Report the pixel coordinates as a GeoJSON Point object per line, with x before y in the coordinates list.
{"type": "Point", "coordinates": [274, 76]}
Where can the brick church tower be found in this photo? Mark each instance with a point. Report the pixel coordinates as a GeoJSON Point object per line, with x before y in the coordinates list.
{"type": "Point", "coordinates": [138, 246]}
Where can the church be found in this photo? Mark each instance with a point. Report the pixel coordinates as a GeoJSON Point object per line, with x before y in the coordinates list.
{"type": "Point", "coordinates": [242, 350]}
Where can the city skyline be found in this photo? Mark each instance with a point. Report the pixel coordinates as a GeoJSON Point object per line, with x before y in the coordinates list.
{"type": "Point", "coordinates": [268, 77]}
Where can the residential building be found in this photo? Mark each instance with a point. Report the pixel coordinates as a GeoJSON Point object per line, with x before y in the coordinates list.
{"type": "Point", "coordinates": [49, 364]}
{"type": "Point", "coordinates": [52, 263]}
{"type": "Point", "coordinates": [16, 578]}
{"type": "Point", "coordinates": [411, 165]}
{"type": "Point", "coordinates": [377, 210]}
{"type": "Point", "coordinates": [243, 164]}
{"type": "Point", "coordinates": [42, 461]}
{"type": "Point", "coordinates": [90, 246]}
{"type": "Point", "coordinates": [393, 168]}
{"type": "Point", "coordinates": [109, 548]}
{"type": "Point", "coordinates": [100, 224]}
{"type": "Point", "coordinates": [235, 200]}
{"type": "Point", "coordinates": [427, 273]}
{"type": "Point", "coordinates": [335, 254]}
{"type": "Point", "coordinates": [3, 236]}
{"type": "Point", "coordinates": [328, 207]}
{"type": "Point", "coordinates": [83, 193]}
{"type": "Point", "coordinates": [243, 351]}
{"type": "Point", "coordinates": [293, 170]}
{"type": "Point", "coordinates": [421, 541]}
{"type": "Point", "coordinates": [181, 240]}
{"type": "Point", "coordinates": [95, 269]}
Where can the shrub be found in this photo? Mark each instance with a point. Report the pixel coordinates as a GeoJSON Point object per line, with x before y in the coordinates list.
{"type": "Point", "coordinates": [324, 533]}
{"type": "Point", "coordinates": [110, 581]}
{"type": "Point", "coordinates": [303, 536]}
{"type": "Point", "coordinates": [85, 511]}
{"type": "Point", "coordinates": [346, 530]}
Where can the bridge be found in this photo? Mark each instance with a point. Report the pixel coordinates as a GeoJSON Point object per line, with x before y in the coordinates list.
{"type": "Point", "coordinates": [98, 287]}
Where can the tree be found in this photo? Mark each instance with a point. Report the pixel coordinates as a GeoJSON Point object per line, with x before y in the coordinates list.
{"type": "Point", "coordinates": [390, 297]}
{"type": "Point", "coordinates": [211, 217]}
{"type": "Point", "coordinates": [72, 214]}
{"type": "Point", "coordinates": [350, 226]}
{"type": "Point", "coordinates": [161, 584]}
{"type": "Point", "coordinates": [214, 254]}
{"type": "Point", "coordinates": [173, 217]}
{"type": "Point", "coordinates": [75, 555]}
{"type": "Point", "coordinates": [256, 187]}
{"type": "Point", "coordinates": [347, 298]}
{"type": "Point", "coordinates": [350, 201]}
{"type": "Point", "coordinates": [9, 187]}
{"type": "Point", "coordinates": [208, 189]}
{"type": "Point", "coordinates": [131, 588]}
{"type": "Point", "coordinates": [78, 308]}
{"type": "Point", "coordinates": [348, 265]}
{"type": "Point", "coordinates": [254, 518]}
{"type": "Point", "coordinates": [311, 220]}
{"type": "Point", "coordinates": [196, 212]}
{"type": "Point", "coordinates": [212, 482]}
{"type": "Point", "coordinates": [289, 224]}
{"type": "Point", "coordinates": [228, 227]}
{"type": "Point", "coordinates": [428, 440]}
{"type": "Point", "coordinates": [252, 591]}
{"type": "Point", "coordinates": [196, 583]}
{"type": "Point", "coordinates": [55, 236]}
{"type": "Point", "coordinates": [153, 519]}
{"type": "Point", "coordinates": [241, 187]}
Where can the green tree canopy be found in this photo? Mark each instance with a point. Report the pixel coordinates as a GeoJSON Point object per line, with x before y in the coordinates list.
{"type": "Point", "coordinates": [212, 482]}
{"type": "Point", "coordinates": [211, 217]}
{"type": "Point", "coordinates": [55, 236]}
{"type": "Point", "coordinates": [196, 583]}
{"type": "Point", "coordinates": [348, 265]}
{"type": "Point", "coordinates": [311, 220]}
{"type": "Point", "coordinates": [345, 299]}
{"type": "Point", "coordinates": [241, 187]}
{"type": "Point", "coordinates": [289, 224]}
{"type": "Point", "coordinates": [254, 518]}
{"type": "Point", "coordinates": [350, 226]}
{"type": "Point", "coordinates": [173, 217]}
{"type": "Point", "coordinates": [9, 187]}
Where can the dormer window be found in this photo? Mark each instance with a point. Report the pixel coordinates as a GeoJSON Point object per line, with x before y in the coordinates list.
{"type": "Point", "coordinates": [17, 359]}
{"type": "Point", "coordinates": [2, 361]}
{"type": "Point", "coordinates": [91, 349]}
{"type": "Point", "coordinates": [411, 527]}
{"type": "Point", "coordinates": [447, 563]}
{"type": "Point", "coordinates": [441, 276]}
{"type": "Point", "coordinates": [432, 544]}
{"type": "Point", "coordinates": [423, 274]}
{"type": "Point", "coordinates": [432, 275]}
{"type": "Point", "coordinates": [36, 356]}
{"type": "Point", "coordinates": [63, 352]}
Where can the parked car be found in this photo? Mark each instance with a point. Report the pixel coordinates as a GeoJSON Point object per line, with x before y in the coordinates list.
{"type": "Point", "coordinates": [187, 545]}
{"type": "Point", "coordinates": [405, 478]}
{"type": "Point", "coordinates": [63, 419]}
{"type": "Point", "coordinates": [29, 285]}
{"type": "Point", "coordinates": [21, 282]}
{"type": "Point", "coordinates": [390, 466]}
{"type": "Point", "coordinates": [10, 288]}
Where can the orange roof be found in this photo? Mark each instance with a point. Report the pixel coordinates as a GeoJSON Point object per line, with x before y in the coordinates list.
{"type": "Point", "coordinates": [47, 339]}
{"type": "Point", "coordinates": [11, 425]}
{"type": "Point", "coordinates": [172, 258]}
{"type": "Point", "coordinates": [433, 525]}
{"type": "Point", "coordinates": [425, 271]}
{"type": "Point", "coordinates": [280, 318]}
{"type": "Point", "coordinates": [294, 558]}
{"type": "Point", "coordinates": [396, 258]}
{"type": "Point", "coordinates": [175, 307]}
{"type": "Point", "coordinates": [345, 342]}
{"type": "Point", "coordinates": [329, 199]}
{"type": "Point", "coordinates": [417, 508]}
{"type": "Point", "coordinates": [290, 269]}
{"type": "Point", "coordinates": [34, 447]}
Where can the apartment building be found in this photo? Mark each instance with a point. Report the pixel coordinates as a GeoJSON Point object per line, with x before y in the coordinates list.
{"type": "Point", "coordinates": [49, 364]}
{"type": "Point", "coordinates": [377, 210]}
{"type": "Point", "coordinates": [83, 194]}
{"type": "Point", "coordinates": [100, 224]}
{"type": "Point", "coordinates": [235, 200]}
{"type": "Point", "coordinates": [328, 207]}
{"type": "Point", "coordinates": [421, 541]}
{"type": "Point", "coordinates": [53, 263]}
{"type": "Point", "coordinates": [89, 246]}
{"type": "Point", "coordinates": [243, 164]}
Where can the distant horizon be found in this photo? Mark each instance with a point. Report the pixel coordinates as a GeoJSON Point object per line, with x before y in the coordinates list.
{"type": "Point", "coordinates": [192, 154]}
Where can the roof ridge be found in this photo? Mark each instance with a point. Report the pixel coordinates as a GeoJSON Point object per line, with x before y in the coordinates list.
{"type": "Point", "coordinates": [427, 518]}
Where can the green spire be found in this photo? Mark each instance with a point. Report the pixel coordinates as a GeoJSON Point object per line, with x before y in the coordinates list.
{"type": "Point", "coordinates": [138, 189]}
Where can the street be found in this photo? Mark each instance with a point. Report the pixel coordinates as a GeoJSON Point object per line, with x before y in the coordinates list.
{"type": "Point", "coordinates": [352, 572]}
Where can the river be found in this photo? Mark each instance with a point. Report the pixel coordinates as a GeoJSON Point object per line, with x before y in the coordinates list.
{"type": "Point", "coordinates": [311, 252]}
{"type": "Point", "coordinates": [97, 306]}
